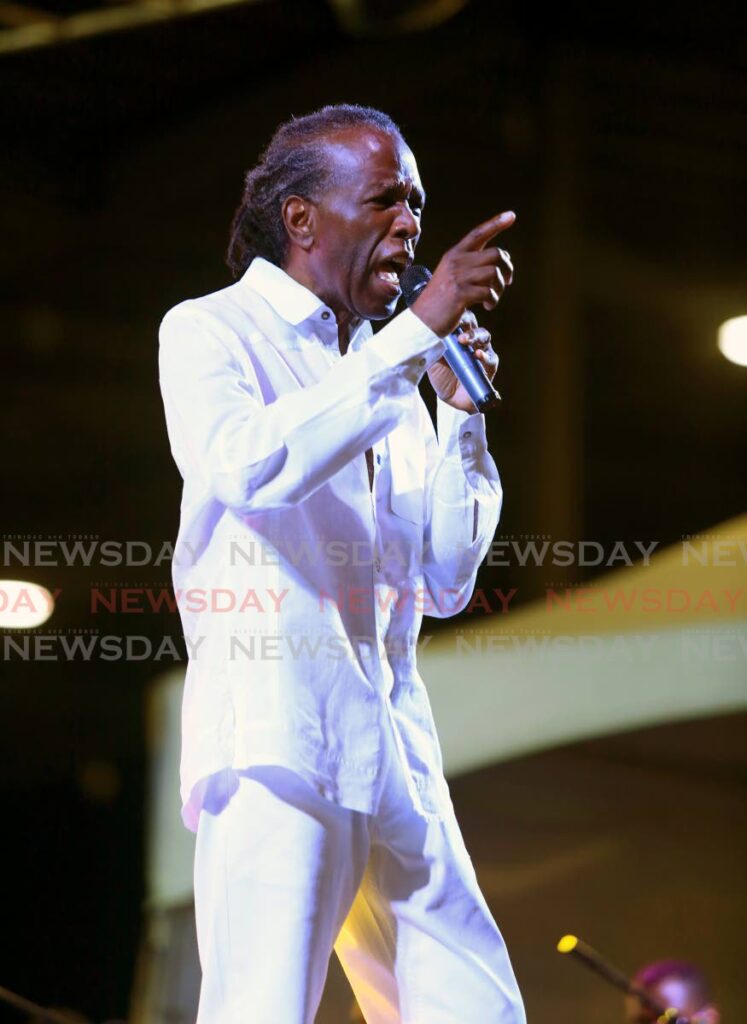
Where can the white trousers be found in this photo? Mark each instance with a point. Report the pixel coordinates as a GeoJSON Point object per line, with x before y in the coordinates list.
{"type": "Point", "coordinates": [283, 876]}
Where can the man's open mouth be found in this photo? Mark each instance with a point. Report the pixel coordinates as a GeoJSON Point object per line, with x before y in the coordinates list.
{"type": "Point", "coordinates": [389, 270]}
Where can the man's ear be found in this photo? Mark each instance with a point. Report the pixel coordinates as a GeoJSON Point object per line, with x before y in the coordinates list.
{"type": "Point", "coordinates": [299, 217]}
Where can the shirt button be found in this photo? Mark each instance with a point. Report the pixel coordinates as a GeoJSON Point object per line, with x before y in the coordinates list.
{"type": "Point", "coordinates": [378, 459]}
{"type": "Point", "coordinates": [377, 565]}
{"type": "Point", "coordinates": [326, 314]}
{"type": "Point", "coordinates": [421, 362]}
{"type": "Point", "coordinates": [467, 433]}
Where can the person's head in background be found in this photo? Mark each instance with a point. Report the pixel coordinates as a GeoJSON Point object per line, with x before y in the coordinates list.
{"type": "Point", "coordinates": [674, 983]}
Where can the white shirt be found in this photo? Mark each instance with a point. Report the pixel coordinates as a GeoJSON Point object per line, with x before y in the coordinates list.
{"type": "Point", "coordinates": [301, 591]}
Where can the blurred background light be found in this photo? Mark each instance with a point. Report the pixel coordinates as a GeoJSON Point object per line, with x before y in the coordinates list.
{"type": "Point", "coordinates": [24, 605]}
{"type": "Point", "coordinates": [364, 17]}
{"type": "Point", "coordinates": [732, 340]}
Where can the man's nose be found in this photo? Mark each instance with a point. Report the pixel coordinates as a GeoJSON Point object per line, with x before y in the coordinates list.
{"type": "Point", "coordinates": [407, 224]}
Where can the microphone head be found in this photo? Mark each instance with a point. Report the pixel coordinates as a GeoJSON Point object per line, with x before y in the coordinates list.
{"type": "Point", "coordinates": [413, 281]}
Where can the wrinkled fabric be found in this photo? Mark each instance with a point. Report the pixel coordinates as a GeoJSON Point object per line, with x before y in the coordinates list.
{"type": "Point", "coordinates": [301, 589]}
{"type": "Point", "coordinates": [282, 876]}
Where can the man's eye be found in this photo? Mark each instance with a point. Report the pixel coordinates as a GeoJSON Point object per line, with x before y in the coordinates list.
{"type": "Point", "coordinates": [385, 201]}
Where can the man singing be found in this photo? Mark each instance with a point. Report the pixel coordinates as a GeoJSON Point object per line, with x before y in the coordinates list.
{"type": "Point", "coordinates": [322, 515]}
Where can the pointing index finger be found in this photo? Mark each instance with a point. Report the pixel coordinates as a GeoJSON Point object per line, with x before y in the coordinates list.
{"type": "Point", "coordinates": [478, 237]}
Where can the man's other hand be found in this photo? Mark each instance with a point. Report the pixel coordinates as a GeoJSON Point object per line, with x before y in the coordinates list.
{"type": "Point", "coordinates": [443, 379]}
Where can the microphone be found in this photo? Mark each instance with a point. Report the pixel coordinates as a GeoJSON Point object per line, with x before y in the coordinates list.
{"type": "Point", "coordinates": [462, 360]}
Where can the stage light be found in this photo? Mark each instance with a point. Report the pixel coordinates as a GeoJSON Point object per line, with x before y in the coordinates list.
{"type": "Point", "coordinates": [24, 605]}
{"type": "Point", "coordinates": [388, 17]}
{"type": "Point", "coordinates": [732, 340]}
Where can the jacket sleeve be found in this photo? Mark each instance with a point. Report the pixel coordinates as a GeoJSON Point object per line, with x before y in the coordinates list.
{"type": "Point", "coordinates": [463, 499]}
{"type": "Point", "coordinates": [255, 457]}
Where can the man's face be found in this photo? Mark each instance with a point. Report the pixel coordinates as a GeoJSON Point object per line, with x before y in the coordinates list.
{"type": "Point", "coordinates": [368, 224]}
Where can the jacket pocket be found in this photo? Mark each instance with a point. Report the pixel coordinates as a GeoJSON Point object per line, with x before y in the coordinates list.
{"type": "Point", "coordinates": [407, 461]}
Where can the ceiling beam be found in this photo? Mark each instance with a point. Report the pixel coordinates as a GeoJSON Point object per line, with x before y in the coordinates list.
{"type": "Point", "coordinates": [52, 31]}
{"type": "Point", "coordinates": [17, 15]}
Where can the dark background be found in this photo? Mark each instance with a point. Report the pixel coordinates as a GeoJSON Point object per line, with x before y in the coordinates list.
{"type": "Point", "coordinates": [620, 139]}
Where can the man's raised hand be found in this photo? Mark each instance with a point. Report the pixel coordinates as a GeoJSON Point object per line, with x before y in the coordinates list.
{"type": "Point", "coordinates": [467, 273]}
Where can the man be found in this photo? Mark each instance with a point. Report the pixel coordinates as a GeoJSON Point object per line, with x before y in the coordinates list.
{"type": "Point", "coordinates": [676, 984]}
{"type": "Point", "coordinates": [321, 517]}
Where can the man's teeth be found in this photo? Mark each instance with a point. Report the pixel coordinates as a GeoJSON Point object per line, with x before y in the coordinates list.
{"type": "Point", "coordinates": [388, 275]}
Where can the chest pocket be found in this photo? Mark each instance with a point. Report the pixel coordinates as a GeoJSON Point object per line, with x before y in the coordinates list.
{"type": "Point", "coordinates": [407, 461]}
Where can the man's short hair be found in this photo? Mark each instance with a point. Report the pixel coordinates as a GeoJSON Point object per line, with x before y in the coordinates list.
{"type": "Point", "coordinates": [295, 162]}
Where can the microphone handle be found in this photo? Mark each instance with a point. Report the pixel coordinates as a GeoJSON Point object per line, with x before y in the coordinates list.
{"type": "Point", "coordinates": [471, 373]}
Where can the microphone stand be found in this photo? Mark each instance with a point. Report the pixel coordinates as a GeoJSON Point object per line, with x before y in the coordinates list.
{"type": "Point", "coordinates": [589, 956]}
